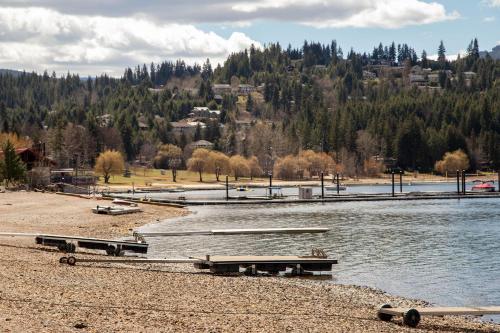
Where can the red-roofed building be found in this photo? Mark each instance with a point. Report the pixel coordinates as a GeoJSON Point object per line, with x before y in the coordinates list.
{"type": "Point", "coordinates": [31, 158]}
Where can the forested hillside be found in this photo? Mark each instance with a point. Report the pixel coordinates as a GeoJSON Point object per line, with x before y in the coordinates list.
{"type": "Point", "coordinates": [392, 104]}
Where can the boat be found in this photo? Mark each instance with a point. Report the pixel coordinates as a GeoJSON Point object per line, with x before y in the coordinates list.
{"type": "Point", "coordinates": [243, 189]}
{"type": "Point", "coordinates": [483, 186]}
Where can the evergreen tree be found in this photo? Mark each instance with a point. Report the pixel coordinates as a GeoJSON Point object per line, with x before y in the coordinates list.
{"type": "Point", "coordinates": [12, 169]}
{"type": "Point", "coordinates": [442, 54]}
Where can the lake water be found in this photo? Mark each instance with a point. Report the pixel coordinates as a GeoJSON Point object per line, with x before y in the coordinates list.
{"type": "Point", "coordinates": [444, 251]}
{"type": "Point", "coordinates": [293, 191]}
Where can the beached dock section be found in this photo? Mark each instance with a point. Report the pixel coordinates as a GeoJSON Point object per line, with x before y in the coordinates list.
{"type": "Point", "coordinates": [250, 265]}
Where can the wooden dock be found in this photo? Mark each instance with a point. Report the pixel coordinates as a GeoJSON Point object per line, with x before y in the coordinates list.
{"type": "Point", "coordinates": [231, 264]}
{"type": "Point", "coordinates": [270, 264]}
{"type": "Point", "coordinates": [215, 232]}
{"type": "Point", "coordinates": [411, 316]}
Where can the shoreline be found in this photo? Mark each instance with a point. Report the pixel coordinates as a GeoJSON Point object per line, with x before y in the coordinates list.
{"type": "Point", "coordinates": [38, 294]}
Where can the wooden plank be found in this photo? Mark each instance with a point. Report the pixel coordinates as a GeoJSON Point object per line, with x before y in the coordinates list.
{"type": "Point", "coordinates": [446, 311]}
{"type": "Point", "coordinates": [235, 232]}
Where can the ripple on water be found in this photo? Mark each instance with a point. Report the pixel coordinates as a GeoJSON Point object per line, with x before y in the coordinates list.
{"type": "Point", "coordinates": [444, 251]}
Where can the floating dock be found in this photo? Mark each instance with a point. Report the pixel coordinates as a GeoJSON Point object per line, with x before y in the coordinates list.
{"type": "Point", "coordinates": [412, 316]}
{"type": "Point", "coordinates": [412, 196]}
{"type": "Point", "coordinates": [69, 244]}
{"type": "Point", "coordinates": [270, 264]}
{"type": "Point", "coordinates": [232, 264]}
{"type": "Point", "coordinates": [116, 210]}
{"type": "Point", "coordinates": [214, 232]}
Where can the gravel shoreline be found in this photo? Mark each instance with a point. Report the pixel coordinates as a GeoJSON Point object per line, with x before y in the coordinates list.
{"type": "Point", "coordinates": [37, 294]}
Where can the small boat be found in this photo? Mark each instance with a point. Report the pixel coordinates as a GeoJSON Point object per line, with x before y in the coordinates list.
{"type": "Point", "coordinates": [243, 189]}
{"type": "Point", "coordinates": [483, 186]}
{"type": "Point", "coordinates": [334, 188]}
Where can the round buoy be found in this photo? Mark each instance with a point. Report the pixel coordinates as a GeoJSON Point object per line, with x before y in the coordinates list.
{"type": "Point", "coordinates": [411, 318]}
{"type": "Point", "coordinates": [71, 261]}
{"type": "Point", "coordinates": [63, 260]}
{"type": "Point", "coordinates": [110, 251]}
{"type": "Point", "coordinates": [384, 316]}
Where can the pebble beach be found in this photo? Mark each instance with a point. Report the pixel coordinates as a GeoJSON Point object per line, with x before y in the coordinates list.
{"type": "Point", "coordinates": [37, 294]}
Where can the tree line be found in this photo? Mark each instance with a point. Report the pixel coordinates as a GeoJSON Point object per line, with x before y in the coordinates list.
{"type": "Point", "coordinates": [333, 109]}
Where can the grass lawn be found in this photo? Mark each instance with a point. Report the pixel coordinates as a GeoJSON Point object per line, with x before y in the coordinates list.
{"type": "Point", "coordinates": [146, 177]}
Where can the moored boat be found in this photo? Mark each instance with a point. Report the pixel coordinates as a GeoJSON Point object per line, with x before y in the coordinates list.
{"type": "Point", "coordinates": [483, 186]}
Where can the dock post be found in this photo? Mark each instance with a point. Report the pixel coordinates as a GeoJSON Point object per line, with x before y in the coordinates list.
{"type": "Point", "coordinates": [270, 185]}
{"type": "Point", "coordinates": [458, 182]}
{"type": "Point", "coordinates": [498, 180]}
{"type": "Point", "coordinates": [322, 186]}
{"type": "Point", "coordinates": [227, 188]}
{"type": "Point", "coordinates": [463, 181]}
{"type": "Point", "coordinates": [338, 184]}
{"type": "Point", "coordinates": [392, 183]}
{"type": "Point", "coordinates": [401, 181]}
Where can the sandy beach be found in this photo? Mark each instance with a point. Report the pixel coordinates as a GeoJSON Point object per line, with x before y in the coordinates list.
{"type": "Point", "coordinates": [37, 294]}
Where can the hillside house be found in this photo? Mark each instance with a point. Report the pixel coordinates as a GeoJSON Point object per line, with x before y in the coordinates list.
{"type": "Point", "coordinates": [245, 89]}
{"type": "Point", "coordinates": [201, 144]}
{"type": "Point", "coordinates": [186, 128]}
{"type": "Point", "coordinates": [221, 88]}
{"type": "Point", "coordinates": [202, 112]}
{"type": "Point", "coordinates": [31, 158]}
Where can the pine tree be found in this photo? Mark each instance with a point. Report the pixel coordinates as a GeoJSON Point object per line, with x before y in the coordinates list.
{"type": "Point", "coordinates": [12, 169]}
{"type": "Point", "coordinates": [424, 60]}
{"type": "Point", "coordinates": [442, 54]}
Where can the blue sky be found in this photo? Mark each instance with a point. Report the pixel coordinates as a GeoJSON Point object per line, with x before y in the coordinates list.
{"type": "Point", "coordinates": [93, 36]}
{"type": "Point", "coordinates": [477, 19]}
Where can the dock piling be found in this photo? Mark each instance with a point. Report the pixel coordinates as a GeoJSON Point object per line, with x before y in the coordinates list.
{"type": "Point", "coordinates": [458, 182]}
{"type": "Point", "coordinates": [227, 188]}
{"type": "Point", "coordinates": [401, 181]}
{"type": "Point", "coordinates": [270, 185]}
{"type": "Point", "coordinates": [392, 174]}
{"type": "Point", "coordinates": [322, 186]}
{"type": "Point", "coordinates": [463, 181]}
{"type": "Point", "coordinates": [338, 184]}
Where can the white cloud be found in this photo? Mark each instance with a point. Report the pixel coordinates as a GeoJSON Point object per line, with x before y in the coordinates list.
{"type": "Point", "coordinates": [492, 3]}
{"type": "Point", "coordinates": [489, 19]}
{"type": "Point", "coordinates": [339, 14]}
{"type": "Point", "coordinates": [39, 39]}
{"type": "Point", "coordinates": [449, 57]}
{"type": "Point", "coordinates": [317, 13]}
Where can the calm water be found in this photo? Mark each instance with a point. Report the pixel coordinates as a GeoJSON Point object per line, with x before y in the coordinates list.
{"type": "Point", "coordinates": [443, 251]}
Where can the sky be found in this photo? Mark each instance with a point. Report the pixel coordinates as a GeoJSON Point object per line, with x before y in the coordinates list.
{"type": "Point", "coordinates": [92, 37]}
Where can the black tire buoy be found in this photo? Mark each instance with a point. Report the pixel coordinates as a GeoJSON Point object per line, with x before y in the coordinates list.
{"type": "Point", "coordinates": [110, 251]}
{"type": "Point", "coordinates": [71, 261]}
{"type": "Point", "coordinates": [411, 318]}
{"type": "Point", "coordinates": [62, 247]}
{"type": "Point", "coordinates": [63, 260]}
{"type": "Point", "coordinates": [70, 248]}
{"type": "Point", "coordinates": [384, 316]}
